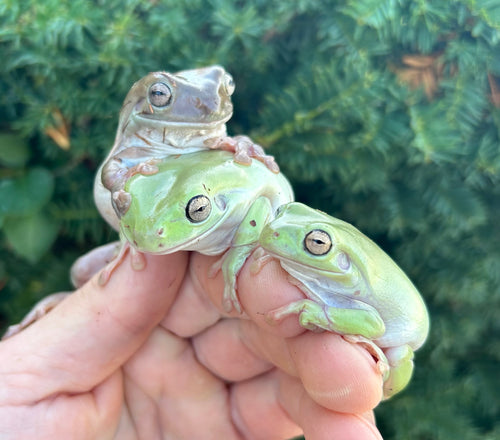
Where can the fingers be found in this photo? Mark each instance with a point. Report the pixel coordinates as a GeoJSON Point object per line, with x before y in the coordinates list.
{"type": "Point", "coordinates": [84, 339]}
{"type": "Point", "coordinates": [164, 378]}
{"type": "Point", "coordinates": [336, 374]}
{"type": "Point", "coordinates": [222, 349]}
{"type": "Point", "coordinates": [274, 405]}
{"type": "Point", "coordinates": [318, 422]}
{"type": "Point", "coordinates": [192, 311]}
{"type": "Point", "coordinates": [258, 412]}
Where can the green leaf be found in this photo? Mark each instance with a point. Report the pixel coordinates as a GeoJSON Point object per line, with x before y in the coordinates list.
{"type": "Point", "coordinates": [31, 236]}
{"type": "Point", "coordinates": [14, 150]}
{"type": "Point", "coordinates": [371, 12]}
{"type": "Point", "coordinates": [27, 194]}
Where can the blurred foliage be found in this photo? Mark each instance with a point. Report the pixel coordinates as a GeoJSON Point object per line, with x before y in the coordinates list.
{"type": "Point", "coordinates": [385, 113]}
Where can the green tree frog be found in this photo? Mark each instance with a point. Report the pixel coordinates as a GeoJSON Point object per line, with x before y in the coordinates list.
{"type": "Point", "coordinates": [168, 114]}
{"type": "Point", "coordinates": [203, 202]}
{"type": "Point", "coordinates": [351, 287]}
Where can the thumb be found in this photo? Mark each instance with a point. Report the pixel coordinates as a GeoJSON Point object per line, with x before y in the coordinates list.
{"type": "Point", "coordinates": [91, 333]}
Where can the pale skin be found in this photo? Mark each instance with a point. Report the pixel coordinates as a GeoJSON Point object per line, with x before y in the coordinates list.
{"type": "Point", "coordinates": [153, 355]}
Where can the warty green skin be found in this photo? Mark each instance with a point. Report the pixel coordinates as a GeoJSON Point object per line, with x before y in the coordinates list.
{"type": "Point", "coordinates": [354, 289]}
{"type": "Point", "coordinates": [243, 199]}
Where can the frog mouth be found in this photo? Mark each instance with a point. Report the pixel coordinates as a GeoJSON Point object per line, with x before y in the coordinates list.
{"type": "Point", "coordinates": [185, 246]}
{"type": "Point", "coordinates": [149, 118]}
{"type": "Point", "coordinates": [188, 245]}
{"type": "Point", "coordinates": [299, 266]}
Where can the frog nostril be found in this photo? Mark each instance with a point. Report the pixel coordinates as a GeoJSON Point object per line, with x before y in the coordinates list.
{"type": "Point", "coordinates": [160, 231]}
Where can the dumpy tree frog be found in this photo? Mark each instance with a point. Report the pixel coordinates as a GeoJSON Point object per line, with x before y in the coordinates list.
{"type": "Point", "coordinates": [203, 202]}
{"type": "Point", "coordinates": [169, 114]}
{"type": "Point", "coordinates": [351, 286]}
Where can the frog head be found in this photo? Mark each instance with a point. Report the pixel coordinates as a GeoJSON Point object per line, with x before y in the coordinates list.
{"type": "Point", "coordinates": [305, 242]}
{"type": "Point", "coordinates": [198, 98]}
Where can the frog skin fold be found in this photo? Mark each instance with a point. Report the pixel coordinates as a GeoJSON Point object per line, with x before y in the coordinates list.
{"type": "Point", "coordinates": [168, 114]}
{"type": "Point", "coordinates": [351, 287]}
{"type": "Point", "coordinates": [203, 202]}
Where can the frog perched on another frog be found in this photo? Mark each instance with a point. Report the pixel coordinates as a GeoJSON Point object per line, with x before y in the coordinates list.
{"type": "Point", "coordinates": [168, 114]}
{"type": "Point", "coordinates": [352, 287]}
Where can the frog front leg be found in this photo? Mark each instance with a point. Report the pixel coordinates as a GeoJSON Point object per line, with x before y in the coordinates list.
{"type": "Point", "coordinates": [245, 240]}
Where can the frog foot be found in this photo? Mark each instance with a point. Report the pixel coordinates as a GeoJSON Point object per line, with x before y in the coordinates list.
{"type": "Point", "coordinates": [245, 149]}
{"type": "Point", "coordinates": [229, 298]}
{"type": "Point", "coordinates": [401, 369]}
{"type": "Point", "coordinates": [137, 261]}
{"type": "Point", "coordinates": [121, 201]}
{"type": "Point", "coordinates": [259, 259]}
{"type": "Point", "coordinates": [40, 309]}
{"type": "Point", "coordinates": [382, 365]}
{"type": "Point", "coordinates": [312, 316]}
{"type": "Point", "coordinates": [117, 170]}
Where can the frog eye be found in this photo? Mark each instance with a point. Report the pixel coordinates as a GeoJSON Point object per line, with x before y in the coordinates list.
{"type": "Point", "coordinates": [159, 94]}
{"type": "Point", "coordinates": [229, 84]}
{"type": "Point", "coordinates": [318, 242]}
{"type": "Point", "coordinates": [198, 209]}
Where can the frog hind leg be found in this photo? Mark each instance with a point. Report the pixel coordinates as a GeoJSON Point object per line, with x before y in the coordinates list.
{"type": "Point", "coordinates": [401, 368]}
{"type": "Point", "coordinates": [394, 363]}
{"type": "Point", "coordinates": [314, 316]}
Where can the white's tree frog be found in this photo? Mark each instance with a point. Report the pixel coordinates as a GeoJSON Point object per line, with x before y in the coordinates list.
{"type": "Point", "coordinates": [352, 287]}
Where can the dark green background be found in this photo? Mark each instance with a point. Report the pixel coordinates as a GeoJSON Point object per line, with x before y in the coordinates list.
{"type": "Point", "coordinates": [384, 113]}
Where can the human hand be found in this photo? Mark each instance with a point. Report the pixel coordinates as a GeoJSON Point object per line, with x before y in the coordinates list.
{"type": "Point", "coordinates": [152, 355]}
